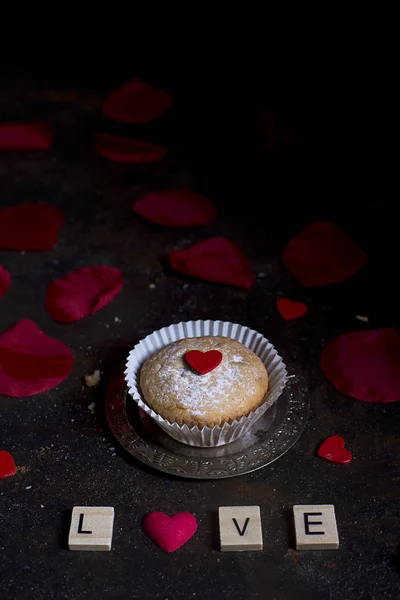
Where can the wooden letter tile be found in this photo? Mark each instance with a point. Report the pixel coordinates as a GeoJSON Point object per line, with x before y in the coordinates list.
{"type": "Point", "coordinates": [240, 528]}
{"type": "Point", "coordinates": [315, 526]}
{"type": "Point", "coordinates": [91, 528]}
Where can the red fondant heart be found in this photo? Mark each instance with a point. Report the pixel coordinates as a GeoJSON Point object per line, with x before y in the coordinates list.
{"type": "Point", "coordinates": [290, 310]}
{"type": "Point", "coordinates": [333, 450]}
{"type": "Point", "coordinates": [7, 465]}
{"type": "Point", "coordinates": [170, 533]}
{"type": "Point", "coordinates": [203, 362]}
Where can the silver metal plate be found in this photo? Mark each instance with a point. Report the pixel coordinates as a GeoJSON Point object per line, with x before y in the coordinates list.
{"type": "Point", "coordinates": [270, 437]}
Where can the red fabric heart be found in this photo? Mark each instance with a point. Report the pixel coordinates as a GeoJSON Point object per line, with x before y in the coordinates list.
{"type": "Point", "coordinates": [333, 450]}
{"type": "Point", "coordinates": [136, 102]}
{"type": "Point", "coordinates": [216, 259]}
{"type": "Point", "coordinates": [365, 365]}
{"type": "Point", "coordinates": [7, 465]}
{"type": "Point", "coordinates": [127, 150]}
{"type": "Point", "coordinates": [31, 361]}
{"type": "Point", "coordinates": [170, 533]}
{"type": "Point", "coordinates": [203, 362]}
{"type": "Point", "coordinates": [82, 293]}
{"type": "Point", "coordinates": [5, 281]}
{"type": "Point", "coordinates": [291, 310]}
{"type": "Point", "coordinates": [175, 208]}
{"type": "Point", "coordinates": [30, 227]}
{"type": "Point", "coordinates": [322, 254]}
{"type": "Point", "coordinates": [25, 136]}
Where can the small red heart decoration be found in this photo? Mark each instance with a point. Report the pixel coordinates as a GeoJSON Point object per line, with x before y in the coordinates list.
{"type": "Point", "coordinates": [333, 450]}
{"type": "Point", "coordinates": [7, 465]}
{"type": "Point", "coordinates": [203, 362]}
{"type": "Point", "coordinates": [290, 310]}
{"type": "Point", "coordinates": [170, 533]}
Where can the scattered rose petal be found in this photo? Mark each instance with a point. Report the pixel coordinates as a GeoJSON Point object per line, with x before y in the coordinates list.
{"type": "Point", "coordinates": [31, 361]}
{"type": "Point", "coordinates": [25, 136]}
{"type": "Point", "coordinates": [126, 150]}
{"type": "Point", "coordinates": [216, 259]}
{"type": "Point", "coordinates": [169, 533]}
{"type": "Point", "coordinates": [136, 102]}
{"type": "Point", "coordinates": [322, 254]}
{"type": "Point", "coordinates": [290, 310]}
{"type": "Point", "coordinates": [175, 208]}
{"type": "Point", "coordinates": [82, 293]}
{"type": "Point", "coordinates": [332, 448]}
{"type": "Point", "coordinates": [30, 227]}
{"type": "Point", "coordinates": [365, 365]}
{"type": "Point", "coordinates": [7, 464]}
{"type": "Point", "coordinates": [5, 281]}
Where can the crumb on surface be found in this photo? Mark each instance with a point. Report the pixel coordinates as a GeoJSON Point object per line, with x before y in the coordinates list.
{"type": "Point", "coordinates": [362, 318]}
{"type": "Point", "coordinates": [117, 320]}
{"type": "Point", "coordinates": [92, 407]}
{"type": "Point", "coordinates": [93, 379]}
{"type": "Point", "coordinates": [152, 286]}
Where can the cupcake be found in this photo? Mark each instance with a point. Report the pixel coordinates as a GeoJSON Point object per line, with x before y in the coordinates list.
{"type": "Point", "coordinates": [175, 386]}
{"type": "Point", "coordinates": [205, 382]}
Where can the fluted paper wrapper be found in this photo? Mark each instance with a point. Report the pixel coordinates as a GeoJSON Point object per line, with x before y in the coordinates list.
{"type": "Point", "coordinates": [217, 435]}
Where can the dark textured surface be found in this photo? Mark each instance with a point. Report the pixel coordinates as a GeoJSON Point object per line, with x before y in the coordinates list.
{"type": "Point", "coordinates": [64, 454]}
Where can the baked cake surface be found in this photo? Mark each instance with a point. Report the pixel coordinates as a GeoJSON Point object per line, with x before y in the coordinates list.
{"type": "Point", "coordinates": [236, 387]}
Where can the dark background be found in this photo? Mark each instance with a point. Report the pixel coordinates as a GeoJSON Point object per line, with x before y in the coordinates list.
{"type": "Point", "coordinates": [327, 161]}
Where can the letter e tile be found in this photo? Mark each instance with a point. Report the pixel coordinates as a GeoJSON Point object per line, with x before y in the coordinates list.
{"type": "Point", "coordinates": [315, 526]}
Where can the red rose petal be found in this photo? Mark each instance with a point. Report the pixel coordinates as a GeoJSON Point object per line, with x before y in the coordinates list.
{"type": "Point", "coordinates": [7, 465]}
{"type": "Point", "coordinates": [365, 365]}
{"type": "Point", "coordinates": [175, 208]}
{"type": "Point", "coordinates": [216, 259]}
{"type": "Point", "coordinates": [31, 361]}
{"type": "Point", "coordinates": [82, 293]}
{"type": "Point", "coordinates": [136, 102]}
{"type": "Point", "coordinates": [30, 227]}
{"type": "Point", "coordinates": [5, 281]}
{"type": "Point", "coordinates": [25, 136]}
{"type": "Point", "coordinates": [126, 150]}
{"type": "Point", "coordinates": [322, 254]}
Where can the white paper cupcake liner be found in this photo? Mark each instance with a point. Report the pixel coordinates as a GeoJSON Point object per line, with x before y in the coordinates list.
{"type": "Point", "coordinates": [217, 435]}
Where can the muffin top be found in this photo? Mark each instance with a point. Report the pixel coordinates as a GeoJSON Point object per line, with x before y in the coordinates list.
{"type": "Point", "coordinates": [236, 387]}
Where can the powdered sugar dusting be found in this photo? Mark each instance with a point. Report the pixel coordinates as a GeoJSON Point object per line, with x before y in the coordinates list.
{"type": "Point", "coordinates": [237, 359]}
